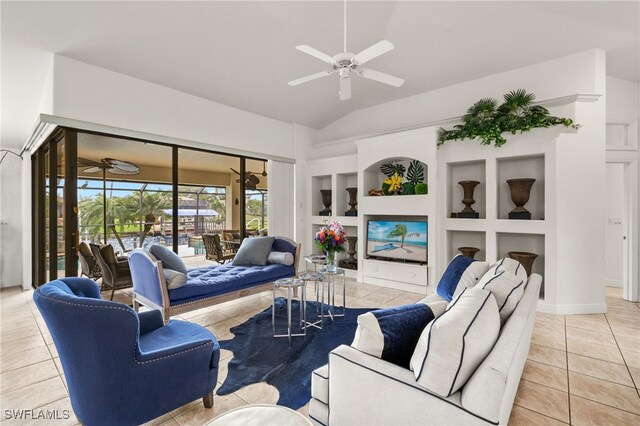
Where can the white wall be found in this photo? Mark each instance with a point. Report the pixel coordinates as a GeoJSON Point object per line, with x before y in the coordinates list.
{"type": "Point", "coordinates": [623, 107]}
{"type": "Point", "coordinates": [93, 94]}
{"type": "Point", "coordinates": [614, 202]}
{"type": "Point", "coordinates": [303, 138]}
{"type": "Point", "coordinates": [564, 76]}
{"type": "Point", "coordinates": [26, 85]}
{"type": "Point", "coordinates": [622, 100]}
{"type": "Point", "coordinates": [11, 213]}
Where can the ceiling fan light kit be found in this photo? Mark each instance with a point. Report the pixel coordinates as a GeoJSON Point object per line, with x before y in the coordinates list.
{"type": "Point", "coordinates": [346, 63]}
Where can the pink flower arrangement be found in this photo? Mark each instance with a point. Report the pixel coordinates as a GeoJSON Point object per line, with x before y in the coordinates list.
{"type": "Point", "coordinates": [331, 238]}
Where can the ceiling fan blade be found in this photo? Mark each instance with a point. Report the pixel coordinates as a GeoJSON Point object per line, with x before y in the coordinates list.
{"type": "Point", "coordinates": [310, 77]}
{"type": "Point", "coordinates": [87, 162]}
{"type": "Point", "coordinates": [381, 77]}
{"type": "Point", "coordinates": [234, 171]}
{"type": "Point", "coordinates": [253, 179]}
{"type": "Point", "coordinates": [93, 169]}
{"type": "Point", "coordinates": [315, 53]}
{"type": "Point", "coordinates": [121, 167]}
{"type": "Point", "coordinates": [373, 52]}
{"type": "Point", "coordinates": [345, 88]}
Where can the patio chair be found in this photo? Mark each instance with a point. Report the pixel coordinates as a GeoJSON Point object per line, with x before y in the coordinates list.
{"type": "Point", "coordinates": [214, 249]}
{"type": "Point", "coordinates": [88, 264]}
{"type": "Point", "coordinates": [115, 273]}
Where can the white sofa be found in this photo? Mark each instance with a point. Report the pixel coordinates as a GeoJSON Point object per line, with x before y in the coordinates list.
{"type": "Point", "coordinates": [355, 388]}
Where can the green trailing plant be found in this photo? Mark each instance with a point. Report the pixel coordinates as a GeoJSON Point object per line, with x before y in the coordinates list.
{"type": "Point", "coordinates": [421, 188]}
{"type": "Point", "coordinates": [415, 172]}
{"type": "Point", "coordinates": [487, 121]}
{"type": "Point", "coordinates": [390, 169]}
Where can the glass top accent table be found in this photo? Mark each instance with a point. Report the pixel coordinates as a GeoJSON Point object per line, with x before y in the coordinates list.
{"type": "Point", "coordinates": [330, 279]}
{"type": "Point", "coordinates": [290, 284]}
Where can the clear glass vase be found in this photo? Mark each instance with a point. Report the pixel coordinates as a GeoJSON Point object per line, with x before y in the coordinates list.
{"type": "Point", "coordinates": [332, 261]}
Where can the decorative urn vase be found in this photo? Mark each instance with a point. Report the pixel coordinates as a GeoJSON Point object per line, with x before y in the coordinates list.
{"type": "Point", "coordinates": [520, 192]}
{"type": "Point", "coordinates": [468, 186]}
{"type": "Point", "coordinates": [351, 262]}
{"type": "Point", "coordinates": [353, 201]}
{"type": "Point", "coordinates": [468, 251]}
{"type": "Point", "coordinates": [326, 202]}
{"type": "Point", "coordinates": [525, 258]}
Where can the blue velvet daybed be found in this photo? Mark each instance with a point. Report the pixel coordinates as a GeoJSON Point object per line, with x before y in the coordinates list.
{"type": "Point", "coordinates": [205, 286]}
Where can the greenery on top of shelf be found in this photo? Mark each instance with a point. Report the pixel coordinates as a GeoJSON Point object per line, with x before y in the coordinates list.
{"type": "Point", "coordinates": [486, 120]}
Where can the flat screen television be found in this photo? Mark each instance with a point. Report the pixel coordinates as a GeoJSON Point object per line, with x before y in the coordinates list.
{"type": "Point", "coordinates": [397, 240]}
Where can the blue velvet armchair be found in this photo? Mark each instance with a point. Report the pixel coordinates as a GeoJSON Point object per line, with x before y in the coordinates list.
{"type": "Point", "coordinates": [122, 367]}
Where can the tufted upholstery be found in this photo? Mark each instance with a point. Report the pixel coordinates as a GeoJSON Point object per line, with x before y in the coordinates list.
{"type": "Point", "coordinates": [122, 367]}
{"type": "Point", "coordinates": [225, 278]}
{"type": "Point", "coordinates": [205, 286]}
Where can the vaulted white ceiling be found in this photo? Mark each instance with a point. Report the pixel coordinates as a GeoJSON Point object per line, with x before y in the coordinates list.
{"type": "Point", "coordinates": [243, 53]}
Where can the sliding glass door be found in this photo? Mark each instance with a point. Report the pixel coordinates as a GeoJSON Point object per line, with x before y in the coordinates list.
{"type": "Point", "coordinates": [103, 189]}
{"type": "Point", "coordinates": [55, 209]}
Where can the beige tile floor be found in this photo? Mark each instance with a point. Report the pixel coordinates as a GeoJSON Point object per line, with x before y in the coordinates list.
{"type": "Point", "coordinates": [582, 369]}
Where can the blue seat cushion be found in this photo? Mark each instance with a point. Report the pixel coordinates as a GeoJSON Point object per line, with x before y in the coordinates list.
{"type": "Point", "coordinates": [217, 280]}
{"type": "Point", "coordinates": [173, 334]}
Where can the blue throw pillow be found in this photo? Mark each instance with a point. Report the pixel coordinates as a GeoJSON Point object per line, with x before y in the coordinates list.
{"type": "Point", "coordinates": [253, 251]}
{"type": "Point", "coordinates": [169, 259]}
{"type": "Point", "coordinates": [392, 334]}
{"type": "Point", "coordinates": [461, 272]}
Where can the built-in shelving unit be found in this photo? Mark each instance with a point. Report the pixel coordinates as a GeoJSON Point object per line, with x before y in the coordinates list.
{"type": "Point", "coordinates": [401, 147]}
{"type": "Point", "coordinates": [335, 174]}
{"type": "Point", "coordinates": [531, 155]}
{"type": "Point", "coordinates": [466, 170]}
{"type": "Point", "coordinates": [528, 166]}
{"type": "Point", "coordinates": [475, 239]}
{"type": "Point", "coordinates": [563, 209]}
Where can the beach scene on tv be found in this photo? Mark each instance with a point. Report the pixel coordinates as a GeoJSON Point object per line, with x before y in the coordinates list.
{"type": "Point", "coordinates": [397, 240]}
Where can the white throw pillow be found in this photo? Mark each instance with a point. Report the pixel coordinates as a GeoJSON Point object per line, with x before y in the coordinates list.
{"type": "Point", "coordinates": [280, 257]}
{"type": "Point", "coordinates": [461, 272]}
{"type": "Point", "coordinates": [174, 279]}
{"type": "Point", "coordinates": [471, 276]}
{"type": "Point", "coordinates": [506, 280]}
{"type": "Point", "coordinates": [510, 265]}
{"type": "Point", "coordinates": [453, 345]}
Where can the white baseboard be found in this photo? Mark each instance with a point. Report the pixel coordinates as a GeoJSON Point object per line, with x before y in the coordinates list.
{"type": "Point", "coordinates": [593, 308]}
{"type": "Point", "coordinates": [13, 283]}
{"type": "Point", "coordinates": [613, 283]}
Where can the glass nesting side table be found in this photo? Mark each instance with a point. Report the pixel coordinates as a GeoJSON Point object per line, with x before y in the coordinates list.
{"type": "Point", "coordinates": [330, 277]}
{"type": "Point", "coordinates": [290, 284]}
{"type": "Point", "coordinates": [324, 278]}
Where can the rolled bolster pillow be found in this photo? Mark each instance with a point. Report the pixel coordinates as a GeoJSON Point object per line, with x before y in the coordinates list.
{"type": "Point", "coordinates": [174, 279]}
{"type": "Point", "coordinates": [280, 257]}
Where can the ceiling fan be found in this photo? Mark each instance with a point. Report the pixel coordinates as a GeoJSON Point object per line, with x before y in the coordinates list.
{"type": "Point", "coordinates": [111, 165]}
{"type": "Point", "coordinates": [346, 64]}
{"type": "Point", "coordinates": [250, 179]}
